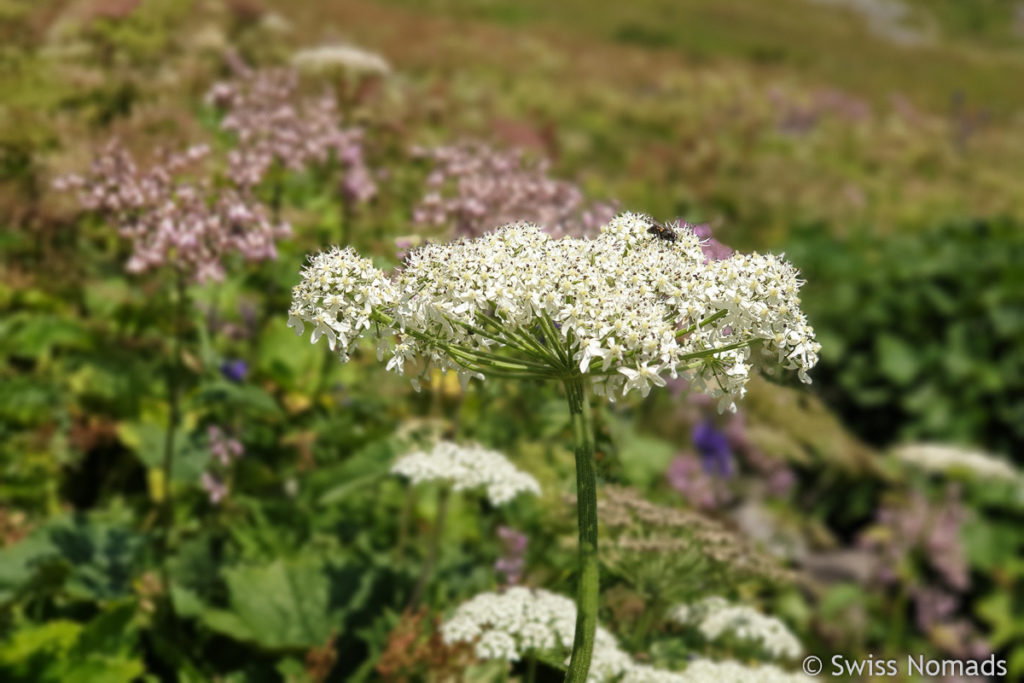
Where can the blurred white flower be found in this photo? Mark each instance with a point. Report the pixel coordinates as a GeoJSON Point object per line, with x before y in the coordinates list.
{"type": "Point", "coordinates": [715, 617]}
{"type": "Point", "coordinates": [940, 458]}
{"type": "Point", "coordinates": [531, 621]}
{"type": "Point", "coordinates": [467, 467]}
{"type": "Point", "coordinates": [340, 57]}
{"type": "Point", "coordinates": [523, 621]}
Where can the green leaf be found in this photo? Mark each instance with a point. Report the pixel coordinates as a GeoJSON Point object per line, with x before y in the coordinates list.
{"type": "Point", "coordinates": [32, 648]}
{"type": "Point", "coordinates": [238, 398]}
{"type": "Point", "coordinates": [278, 606]}
{"type": "Point", "coordinates": [896, 359]}
{"type": "Point", "coordinates": [286, 357]}
{"type": "Point", "coordinates": [93, 558]}
{"type": "Point", "coordinates": [32, 335]}
{"type": "Point", "coordinates": [366, 465]}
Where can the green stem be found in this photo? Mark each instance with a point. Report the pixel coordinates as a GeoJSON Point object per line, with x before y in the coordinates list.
{"type": "Point", "coordinates": [403, 523]}
{"type": "Point", "coordinates": [706, 321]}
{"type": "Point", "coordinates": [166, 512]}
{"type": "Point", "coordinates": [435, 548]}
{"type": "Point", "coordinates": [531, 669]}
{"type": "Point", "coordinates": [586, 496]}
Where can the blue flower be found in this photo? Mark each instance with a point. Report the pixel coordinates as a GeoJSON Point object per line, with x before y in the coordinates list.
{"type": "Point", "coordinates": [234, 370]}
{"type": "Point", "coordinates": [713, 447]}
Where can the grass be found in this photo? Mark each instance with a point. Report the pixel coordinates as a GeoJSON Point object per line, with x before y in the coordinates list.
{"type": "Point", "coordinates": [820, 43]}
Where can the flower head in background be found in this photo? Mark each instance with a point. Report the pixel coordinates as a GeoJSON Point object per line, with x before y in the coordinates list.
{"type": "Point", "coordinates": [235, 369]}
{"type": "Point", "coordinates": [904, 527]}
{"type": "Point", "coordinates": [340, 58]}
{"type": "Point", "coordinates": [522, 621]}
{"type": "Point", "coordinates": [225, 449]}
{"type": "Point", "coordinates": [671, 552]}
{"type": "Point", "coordinates": [713, 447]}
{"type": "Point", "coordinates": [512, 562]}
{"type": "Point", "coordinates": [172, 218]}
{"type": "Point", "coordinates": [622, 310]}
{"type": "Point", "coordinates": [216, 489]}
{"type": "Point", "coordinates": [714, 617]}
{"type": "Point", "coordinates": [465, 468]}
{"type": "Point", "coordinates": [687, 475]}
{"type": "Point", "coordinates": [473, 187]}
{"type": "Point", "coordinates": [275, 125]}
{"type": "Point", "coordinates": [951, 459]}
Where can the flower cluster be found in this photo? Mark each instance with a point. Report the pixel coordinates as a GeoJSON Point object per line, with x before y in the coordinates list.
{"type": "Point", "coordinates": [225, 450]}
{"type": "Point", "coordinates": [340, 58]}
{"type": "Point", "coordinates": [938, 458]}
{"type": "Point", "coordinates": [473, 187]}
{"type": "Point", "coordinates": [512, 562]}
{"type": "Point", "coordinates": [522, 621]}
{"type": "Point", "coordinates": [171, 219]}
{"type": "Point", "coordinates": [714, 617]}
{"type": "Point", "coordinates": [903, 527]}
{"type": "Point", "coordinates": [623, 309]}
{"type": "Point", "coordinates": [916, 531]}
{"type": "Point", "coordinates": [467, 467]}
{"type": "Point", "coordinates": [275, 126]}
{"type": "Point", "coordinates": [705, 477]}
{"type": "Point", "coordinates": [667, 551]}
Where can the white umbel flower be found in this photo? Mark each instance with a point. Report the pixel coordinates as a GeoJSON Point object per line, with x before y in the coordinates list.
{"type": "Point", "coordinates": [521, 621]}
{"type": "Point", "coordinates": [715, 617]}
{"type": "Point", "coordinates": [467, 467]}
{"type": "Point", "coordinates": [623, 310]}
{"type": "Point", "coordinates": [944, 459]}
{"type": "Point", "coordinates": [340, 57]}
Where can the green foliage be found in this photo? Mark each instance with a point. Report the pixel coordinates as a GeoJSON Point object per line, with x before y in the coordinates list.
{"type": "Point", "coordinates": [64, 650]}
{"type": "Point", "coordinates": [91, 558]}
{"type": "Point", "coordinates": [288, 604]}
{"type": "Point", "coordinates": [921, 332]}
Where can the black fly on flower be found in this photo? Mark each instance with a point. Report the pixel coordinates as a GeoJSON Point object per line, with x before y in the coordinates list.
{"type": "Point", "coordinates": [661, 231]}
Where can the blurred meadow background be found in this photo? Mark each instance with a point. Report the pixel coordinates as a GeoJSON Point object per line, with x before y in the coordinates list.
{"type": "Point", "coordinates": [188, 492]}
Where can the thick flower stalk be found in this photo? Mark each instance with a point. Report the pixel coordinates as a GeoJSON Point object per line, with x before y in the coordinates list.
{"type": "Point", "coordinates": [609, 315]}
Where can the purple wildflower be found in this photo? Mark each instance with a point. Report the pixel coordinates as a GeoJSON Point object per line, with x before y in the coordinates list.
{"type": "Point", "coordinates": [686, 476]}
{"type": "Point", "coordinates": [224, 449]}
{"type": "Point", "coordinates": [172, 217]}
{"type": "Point", "coordinates": [234, 370]}
{"type": "Point", "coordinates": [274, 125]}
{"type": "Point", "coordinates": [474, 188]}
{"type": "Point", "coordinates": [713, 448]}
{"type": "Point", "coordinates": [214, 487]}
{"type": "Point", "coordinates": [512, 563]}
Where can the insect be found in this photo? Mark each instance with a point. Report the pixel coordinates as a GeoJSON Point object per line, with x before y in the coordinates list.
{"type": "Point", "coordinates": [661, 232]}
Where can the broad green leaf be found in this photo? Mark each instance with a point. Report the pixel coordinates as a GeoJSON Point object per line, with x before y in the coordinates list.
{"type": "Point", "coordinates": [278, 606]}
